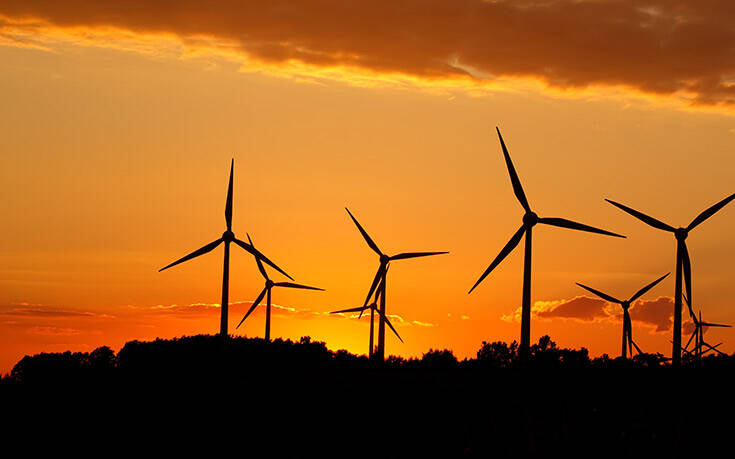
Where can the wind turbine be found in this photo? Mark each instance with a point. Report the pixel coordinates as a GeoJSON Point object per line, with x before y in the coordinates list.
{"type": "Point", "coordinates": [530, 219]}
{"type": "Point", "coordinates": [628, 342]}
{"type": "Point", "coordinates": [269, 284]}
{"type": "Point", "coordinates": [380, 276]}
{"type": "Point", "coordinates": [698, 333]}
{"type": "Point", "coordinates": [373, 307]}
{"type": "Point", "coordinates": [683, 263]}
{"type": "Point", "coordinates": [227, 237]}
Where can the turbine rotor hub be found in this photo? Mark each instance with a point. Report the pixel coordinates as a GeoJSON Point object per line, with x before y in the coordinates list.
{"type": "Point", "coordinates": [269, 283]}
{"type": "Point", "coordinates": [530, 219]}
{"type": "Point", "coordinates": [228, 236]}
{"type": "Point", "coordinates": [625, 305]}
{"type": "Point", "coordinates": [681, 234]}
{"type": "Point", "coordinates": [384, 259]}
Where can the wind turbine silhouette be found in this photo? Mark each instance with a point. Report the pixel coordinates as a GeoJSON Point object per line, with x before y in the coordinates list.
{"type": "Point", "coordinates": [698, 333]}
{"type": "Point", "coordinates": [373, 307]}
{"type": "Point", "coordinates": [530, 219]}
{"type": "Point", "coordinates": [269, 284]}
{"type": "Point", "coordinates": [628, 342]}
{"type": "Point", "coordinates": [380, 276]}
{"type": "Point", "coordinates": [683, 263]}
{"type": "Point", "coordinates": [227, 237]}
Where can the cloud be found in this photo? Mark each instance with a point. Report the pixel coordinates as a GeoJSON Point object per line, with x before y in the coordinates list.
{"type": "Point", "coordinates": [395, 319]}
{"type": "Point", "coordinates": [423, 324]}
{"type": "Point", "coordinates": [41, 311]}
{"type": "Point", "coordinates": [580, 308]}
{"type": "Point", "coordinates": [53, 331]}
{"type": "Point", "coordinates": [673, 48]}
{"type": "Point", "coordinates": [657, 313]}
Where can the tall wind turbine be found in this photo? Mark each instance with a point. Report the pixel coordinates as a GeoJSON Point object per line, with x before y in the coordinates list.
{"type": "Point", "coordinates": [628, 342]}
{"type": "Point", "coordinates": [269, 284]}
{"type": "Point", "coordinates": [380, 276]}
{"type": "Point", "coordinates": [373, 307]}
{"type": "Point", "coordinates": [530, 219]}
{"type": "Point", "coordinates": [227, 237]}
{"type": "Point", "coordinates": [683, 263]}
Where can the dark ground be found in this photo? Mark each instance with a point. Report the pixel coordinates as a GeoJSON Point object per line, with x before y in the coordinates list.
{"type": "Point", "coordinates": [299, 399]}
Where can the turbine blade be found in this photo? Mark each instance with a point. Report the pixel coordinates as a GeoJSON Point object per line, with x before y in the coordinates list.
{"type": "Point", "coordinates": [514, 180]}
{"type": "Point", "coordinates": [691, 311]}
{"type": "Point", "coordinates": [636, 347]}
{"type": "Point", "coordinates": [687, 268]}
{"type": "Point", "coordinates": [604, 296]}
{"type": "Point", "coordinates": [708, 324]}
{"type": "Point", "coordinates": [207, 248]}
{"type": "Point", "coordinates": [690, 339]}
{"type": "Point", "coordinates": [379, 292]}
{"type": "Point", "coordinates": [714, 348]}
{"type": "Point", "coordinates": [648, 287]}
{"type": "Point", "coordinates": [292, 285]}
{"type": "Point", "coordinates": [564, 223]}
{"type": "Point", "coordinates": [514, 240]}
{"type": "Point", "coordinates": [643, 217]}
{"type": "Point", "coordinates": [376, 279]}
{"type": "Point", "coordinates": [257, 260]}
{"type": "Point", "coordinates": [364, 234]}
{"type": "Point", "coordinates": [358, 309]}
{"type": "Point", "coordinates": [389, 324]}
{"type": "Point", "coordinates": [253, 251]}
{"type": "Point", "coordinates": [228, 206]}
{"type": "Point", "coordinates": [255, 305]}
{"type": "Point", "coordinates": [709, 212]}
{"type": "Point", "coordinates": [403, 256]}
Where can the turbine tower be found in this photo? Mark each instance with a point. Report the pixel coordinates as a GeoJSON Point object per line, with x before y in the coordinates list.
{"type": "Point", "coordinates": [269, 284]}
{"type": "Point", "coordinates": [227, 237]}
{"type": "Point", "coordinates": [628, 342]}
{"type": "Point", "coordinates": [530, 219]}
{"type": "Point", "coordinates": [683, 263]}
{"type": "Point", "coordinates": [380, 277]}
{"type": "Point", "coordinates": [373, 307]}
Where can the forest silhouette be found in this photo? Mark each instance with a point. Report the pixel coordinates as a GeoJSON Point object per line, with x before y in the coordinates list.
{"type": "Point", "coordinates": [328, 402]}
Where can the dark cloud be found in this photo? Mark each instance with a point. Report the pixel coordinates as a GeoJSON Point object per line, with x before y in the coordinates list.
{"type": "Point", "coordinates": [658, 47]}
{"type": "Point", "coordinates": [580, 308]}
{"type": "Point", "coordinates": [658, 313]}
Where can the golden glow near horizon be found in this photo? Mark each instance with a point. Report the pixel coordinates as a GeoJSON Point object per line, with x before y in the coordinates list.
{"type": "Point", "coordinates": [115, 153]}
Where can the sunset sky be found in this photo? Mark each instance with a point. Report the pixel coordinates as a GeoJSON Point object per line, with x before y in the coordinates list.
{"type": "Point", "coordinates": [118, 121]}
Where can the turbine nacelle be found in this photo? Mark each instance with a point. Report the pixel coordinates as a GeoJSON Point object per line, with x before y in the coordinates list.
{"type": "Point", "coordinates": [228, 236]}
{"type": "Point", "coordinates": [625, 305]}
{"type": "Point", "coordinates": [530, 219]}
{"type": "Point", "coordinates": [269, 283]}
{"type": "Point", "coordinates": [681, 234]}
{"type": "Point", "coordinates": [384, 259]}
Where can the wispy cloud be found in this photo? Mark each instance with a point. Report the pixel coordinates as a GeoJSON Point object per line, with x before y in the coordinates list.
{"type": "Point", "coordinates": [53, 331]}
{"type": "Point", "coordinates": [41, 311]}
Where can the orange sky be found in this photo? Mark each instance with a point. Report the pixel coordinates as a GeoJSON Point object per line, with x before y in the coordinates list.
{"type": "Point", "coordinates": [118, 126]}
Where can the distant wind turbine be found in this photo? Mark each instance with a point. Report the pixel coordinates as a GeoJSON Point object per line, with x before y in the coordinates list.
{"type": "Point", "coordinates": [373, 307]}
{"type": "Point", "coordinates": [683, 263]}
{"type": "Point", "coordinates": [269, 284]}
{"type": "Point", "coordinates": [628, 342]}
{"type": "Point", "coordinates": [227, 237]}
{"type": "Point", "coordinates": [380, 277]}
{"type": "Point", "coordinates": [698, 334]}
{"type": "Point", "coordinates": [530, 219]}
